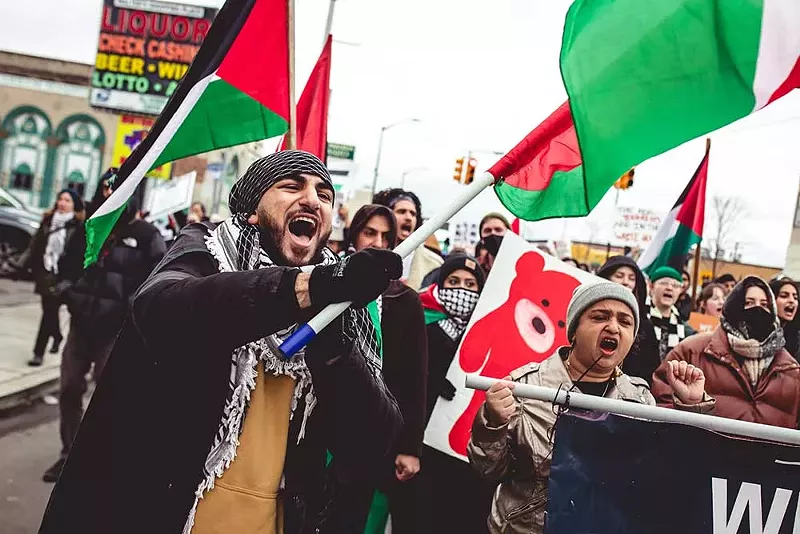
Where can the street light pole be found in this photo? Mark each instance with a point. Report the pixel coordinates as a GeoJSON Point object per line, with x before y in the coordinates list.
{"type": "Point", "coordinates": [380, 148]}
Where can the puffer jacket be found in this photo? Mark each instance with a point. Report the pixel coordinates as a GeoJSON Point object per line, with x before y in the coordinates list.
{"type": "Point", "coordinates": [775, 399]}
{"type": "Point", "coordinates": [101, 297]}
{"type": "Point", "coordinates": [518, 453]}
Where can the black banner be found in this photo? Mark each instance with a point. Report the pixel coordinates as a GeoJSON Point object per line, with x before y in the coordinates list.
{"type": "Point", "coordinates": [145, 48]}
{"type": "Point", "coordinates": [619, 475]}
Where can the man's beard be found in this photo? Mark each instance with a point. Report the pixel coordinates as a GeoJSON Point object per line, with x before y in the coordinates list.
{"type": "Point", "coordinates": [271, 235]}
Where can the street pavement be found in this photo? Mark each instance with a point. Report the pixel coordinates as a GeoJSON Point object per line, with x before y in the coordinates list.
{"type": "Point", "coordinates": [29, 441]}
{"type": "Point", "coordinates": [20, 312]}
{"type": "Point", "coordinates": [29, 444]}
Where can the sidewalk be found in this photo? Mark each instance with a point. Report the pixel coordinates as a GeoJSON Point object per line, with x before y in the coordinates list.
{"type": "Point", "coordinates": [20, 312]}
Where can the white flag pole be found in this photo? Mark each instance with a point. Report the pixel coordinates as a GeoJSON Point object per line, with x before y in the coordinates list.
{"type": "Point", "coordinates": [642, 411]}
{"type": "Point", "coordinates": [306, 333]}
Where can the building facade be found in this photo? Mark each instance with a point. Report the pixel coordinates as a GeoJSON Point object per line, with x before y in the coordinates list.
{"type": "Point", "coordinates": [49, 136]}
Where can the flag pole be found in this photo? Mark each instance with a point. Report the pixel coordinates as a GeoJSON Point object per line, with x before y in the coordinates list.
{"type": "Point", "coordinates": [698, 251]}
{"type": "Point", "coordinates": [643, 411]}
{"type": "Point", "coordinates": [306, 333]}
{"type": "Point", "coordinates": [291, 133]}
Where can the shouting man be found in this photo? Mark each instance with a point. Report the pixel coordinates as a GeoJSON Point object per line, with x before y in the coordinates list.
{"type": "Point", "coordinates": [664, 315]}
{"type": "Point", "coordinates": [199, 423]}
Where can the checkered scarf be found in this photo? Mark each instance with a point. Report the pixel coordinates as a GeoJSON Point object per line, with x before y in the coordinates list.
{"type": "Point", "coordinates": [756, 355]}
{"type": "Point", "coordinates": [669, 330]}
{"type": "Point", "coordinates": [458, 303]}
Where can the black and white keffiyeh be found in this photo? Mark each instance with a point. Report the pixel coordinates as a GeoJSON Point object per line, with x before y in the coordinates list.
{"type": "Point", "coordinates": [458, 303]}
{"type": "Point", "coordinates": [235, 245]}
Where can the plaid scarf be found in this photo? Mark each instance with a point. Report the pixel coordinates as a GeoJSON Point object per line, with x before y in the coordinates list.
{"type": "Point", "coordinates": [235, 245]}
{"type": "Point", "coordinates": [757, 356]}
{"type": "Point", "coordinates": [669, 330]}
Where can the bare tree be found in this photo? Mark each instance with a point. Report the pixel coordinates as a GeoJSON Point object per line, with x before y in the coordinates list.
{"type": "Point", "coordinates": [728, 211]}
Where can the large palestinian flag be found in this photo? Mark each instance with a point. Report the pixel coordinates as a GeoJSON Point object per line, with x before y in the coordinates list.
{"type": "Point", "coordinates": [642, 78]}
{"type": "Point", "coordinates": [236, 91]}
{"type": "Point", "coordinates": [682, 227]}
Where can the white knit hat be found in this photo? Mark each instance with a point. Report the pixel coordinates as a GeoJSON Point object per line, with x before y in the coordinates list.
{"type": "Point", "coordinates": [586, 295]}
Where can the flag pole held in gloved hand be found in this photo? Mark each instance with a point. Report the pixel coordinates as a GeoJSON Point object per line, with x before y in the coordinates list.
{"type": "Point", "coordinates": [308, 331]}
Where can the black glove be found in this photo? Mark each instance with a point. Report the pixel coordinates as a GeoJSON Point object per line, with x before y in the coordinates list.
{"type": "Point", "coordinates": [448, 391]}
{"type": "Point", "coordinates": [359, 278]}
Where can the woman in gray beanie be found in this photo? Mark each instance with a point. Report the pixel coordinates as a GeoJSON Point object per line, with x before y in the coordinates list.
{"type": "Point", "coordinates": [602, 322]}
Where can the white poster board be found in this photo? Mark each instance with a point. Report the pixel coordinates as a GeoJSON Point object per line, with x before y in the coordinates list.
{"type": "Point", "coordinates": [169, 196]}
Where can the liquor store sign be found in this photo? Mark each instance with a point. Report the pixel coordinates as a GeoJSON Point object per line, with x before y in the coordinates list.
{"type": "Point", "coordinates": [145, 48]}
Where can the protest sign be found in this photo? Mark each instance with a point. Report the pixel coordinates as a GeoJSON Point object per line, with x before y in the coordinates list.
{"type": "Point", "coordinates": [612, 474]}
{"type": "Point", "coordinates": [701, 322]}
{"type": "Point", "coordinates": [170, 196]}
{"type": "Point", "coordinates": [520, 318]}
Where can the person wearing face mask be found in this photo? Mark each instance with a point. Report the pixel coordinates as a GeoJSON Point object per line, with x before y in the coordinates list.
{"type": "Point", "coordinates": [643, 357]}
{"type": "Point", "coordinates": [711, 300]}
{"type": "Point", "coordinates": [785, 291]}
{"type": "Point", "coordinates": [451, 496]}
{"type": "Point", "coordinates": [493, 224]}
{"type": "Point", "coordinates": [667, 324]}
{"type": "Point", "coordinates": [747, 369]}
{"type": "Point", "coordinates": [511, 441]}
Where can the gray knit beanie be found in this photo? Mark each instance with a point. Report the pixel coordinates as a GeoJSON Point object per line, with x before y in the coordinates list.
{"type": "Point", "coordinates": [586, 295]}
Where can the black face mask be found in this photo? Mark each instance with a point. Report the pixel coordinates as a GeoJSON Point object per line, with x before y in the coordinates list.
{"type": "Point", "coordinates": [760, 323]}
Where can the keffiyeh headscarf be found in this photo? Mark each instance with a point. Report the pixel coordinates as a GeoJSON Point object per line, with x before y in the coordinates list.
{"type": "Point", "coordinates": [235, 244]}
{"type": "Point", "coordinates": [449, 308]}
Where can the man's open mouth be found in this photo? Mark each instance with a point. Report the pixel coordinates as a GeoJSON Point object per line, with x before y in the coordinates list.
{"type": "Point", "coordinates": [608, 345]}
{"type": "Point", "coordinates": [303, 227]}
{"type": "Point", "coordinates": [668, 295]}
{"type": "Point", "coordinates": [406, 228]}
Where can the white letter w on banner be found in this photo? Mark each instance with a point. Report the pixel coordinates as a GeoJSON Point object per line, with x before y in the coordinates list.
{"type": "Point", "coordinates": [749, 495]}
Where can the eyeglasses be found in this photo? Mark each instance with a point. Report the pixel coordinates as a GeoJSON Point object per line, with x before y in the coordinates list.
{"type": "Point", "coordinates": [666, 282]}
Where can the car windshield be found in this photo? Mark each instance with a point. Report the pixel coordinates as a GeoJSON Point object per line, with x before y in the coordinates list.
{"type": "Point", "coordinates": [8, 200]}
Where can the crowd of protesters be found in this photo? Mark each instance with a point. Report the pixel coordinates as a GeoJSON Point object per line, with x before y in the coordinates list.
{"type": "Point", "coordinates": [180, 321]}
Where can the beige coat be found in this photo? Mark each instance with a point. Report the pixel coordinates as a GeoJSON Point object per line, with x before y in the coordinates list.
{"type": "Point", "coordinates": [518, 453]}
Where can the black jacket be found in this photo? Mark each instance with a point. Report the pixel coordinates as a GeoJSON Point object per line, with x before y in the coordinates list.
{"type": "Point", "coordinates": [101, 297]}
{"type": "Point", "coordinates": [643, 358]}
{"type": "Point", "coordinates": [70, 264]}
{"type": "Point", "coordinates": [139, 454]}
{"type": "Point", "coordinates": [405, 362]}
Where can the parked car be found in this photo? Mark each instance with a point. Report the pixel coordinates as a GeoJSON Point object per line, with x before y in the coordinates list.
{"type": "Point", "coordinates": [18, 224]}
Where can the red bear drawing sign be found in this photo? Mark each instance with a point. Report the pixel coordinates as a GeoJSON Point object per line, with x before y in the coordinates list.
{"type": "Point", "coordinates": [521, 318]}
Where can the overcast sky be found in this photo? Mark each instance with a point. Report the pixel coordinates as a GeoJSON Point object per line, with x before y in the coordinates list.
{"type": "Point", "coordinates": [479, 75]}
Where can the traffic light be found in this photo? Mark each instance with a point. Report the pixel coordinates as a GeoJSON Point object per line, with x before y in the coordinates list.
{"type": "Point", "coordinates": [625, 181]}
{"type": "Point", "coordinates": [458, 172]}
{"type": "Point", "coordinates": [470, 171]}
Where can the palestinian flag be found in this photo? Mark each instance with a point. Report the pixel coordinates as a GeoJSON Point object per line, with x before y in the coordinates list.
{"type": "Point", "coordinates": [682, 227]}
{"type": "Point", "coordinates": [431, 306]}
{"type": "Point", "coordinates": [236, 91]}
{"type": "Point", "coordinates": [642, 78]}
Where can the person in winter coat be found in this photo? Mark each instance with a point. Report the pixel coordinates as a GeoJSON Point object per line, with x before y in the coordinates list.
{"type": "Point", "coordinates": [746, 367]}
{"type": "Point", "coordinates": [785, 291]}
{"type": "Point", "coordinates": [667, 324]}
{"type": "Point", "coordinates": [405, 370]}
{"type": "Point", "coordinates": [55, 257]}
{"type": "Point", "coordinates": [643, 358]}
{"type": "Point", "coordinates": [196, 399]}
{"type": "Point", "coordinates": [407, 211]}
{"type": "Point", "coordinates": [511, 439]}
{"type": "Point", "coordinates": [98, 303]}
{"type": "Point", "coordinates": [451, 497]}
